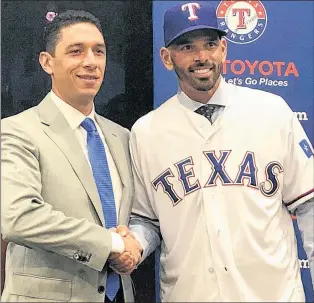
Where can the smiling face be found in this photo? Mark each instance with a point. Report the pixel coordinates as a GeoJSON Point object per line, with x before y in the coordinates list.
{"type": "Point", "coordinates": [197, 59]}
{"type": "Point", "coordinates": [78, 64]}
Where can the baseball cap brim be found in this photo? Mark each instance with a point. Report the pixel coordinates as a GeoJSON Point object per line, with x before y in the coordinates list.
{"type": "Point", "coordinates": [194, 28]}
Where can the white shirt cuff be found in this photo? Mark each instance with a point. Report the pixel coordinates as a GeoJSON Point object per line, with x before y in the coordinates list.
{"type": "Point", "coordinates": [117, 243]}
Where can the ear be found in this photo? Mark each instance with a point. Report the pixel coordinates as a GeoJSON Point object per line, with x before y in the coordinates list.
{"type": "Point", "coordinates": [166, 58]}
{"type": "Point", "coordinates": [46, 62]}
{"type": "Point", "coordinates": [224, 49]}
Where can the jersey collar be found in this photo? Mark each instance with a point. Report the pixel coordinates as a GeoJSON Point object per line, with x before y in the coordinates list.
{"type": "Point", "coordinates": [220, 97]}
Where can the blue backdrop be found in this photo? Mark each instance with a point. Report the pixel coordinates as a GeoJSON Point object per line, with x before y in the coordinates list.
{"type": "Point", "coordinates": [274, 52]}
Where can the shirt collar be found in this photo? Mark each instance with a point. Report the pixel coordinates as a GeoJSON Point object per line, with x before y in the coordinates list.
{"type": "Point", "coordinates": [71, 114]}
{"type": "Point", "coordinates": [220, 97]}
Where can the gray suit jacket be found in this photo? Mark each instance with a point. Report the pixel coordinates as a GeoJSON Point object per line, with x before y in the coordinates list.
{"type": "Point", "coordinates": [51, 212]}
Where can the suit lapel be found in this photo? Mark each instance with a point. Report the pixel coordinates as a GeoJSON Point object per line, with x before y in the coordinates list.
{"type": "Point", "coordinates": [59, 131]}
{"type": "Point", "coordinates": [118, 153]}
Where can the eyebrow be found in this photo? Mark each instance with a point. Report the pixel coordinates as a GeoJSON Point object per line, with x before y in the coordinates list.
{"type": "Point", "coordinates": [189, 41]}
{"type": "Point", "coordinates": [183, 41]}
{"type": "Point", "coordinates": [102, 45]}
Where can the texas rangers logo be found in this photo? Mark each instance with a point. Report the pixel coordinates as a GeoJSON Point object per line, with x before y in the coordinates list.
{"type": "Point", "coordinates": [191, 7]}
{"type": "Point", "coordinates": [246, 176]}
{"type": "Point", "coordinates": [244, 21]}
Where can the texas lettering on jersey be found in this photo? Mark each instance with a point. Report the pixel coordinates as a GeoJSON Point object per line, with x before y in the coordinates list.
{"type": "Point", "coordinates": [247, 170]}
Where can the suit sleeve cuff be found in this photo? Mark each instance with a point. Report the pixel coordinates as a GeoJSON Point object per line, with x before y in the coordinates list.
{"type": "Point", "coordinates": [117, 243]}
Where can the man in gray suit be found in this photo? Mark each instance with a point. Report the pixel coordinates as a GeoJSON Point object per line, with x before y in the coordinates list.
{"type": "Point", "coordinates": [66, 181]}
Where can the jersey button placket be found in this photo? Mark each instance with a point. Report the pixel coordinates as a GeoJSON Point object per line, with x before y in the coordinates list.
{"type": "Point", "coordinates": [211, 270]}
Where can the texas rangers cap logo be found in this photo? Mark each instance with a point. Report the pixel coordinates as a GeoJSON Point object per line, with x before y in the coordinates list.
{"type": "Point", "coordinates": [244, 21]}
{"type": "Point", "coordinates": [191, 8]}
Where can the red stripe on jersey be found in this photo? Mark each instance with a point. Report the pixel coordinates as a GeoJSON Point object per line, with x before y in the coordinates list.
{"type": "Point", "coordinates": [301, 196]}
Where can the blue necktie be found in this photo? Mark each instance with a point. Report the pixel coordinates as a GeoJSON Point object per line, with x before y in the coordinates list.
{"type": "Point", "coordinates": [98, 161]}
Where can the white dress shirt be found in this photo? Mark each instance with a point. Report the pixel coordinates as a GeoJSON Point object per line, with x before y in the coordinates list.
{"type": "Point", "coordinates": [75, 118]}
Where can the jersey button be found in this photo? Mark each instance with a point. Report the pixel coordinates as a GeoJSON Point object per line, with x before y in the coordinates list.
{"type": "Point", "coordinates": [101, 289]}
{"type": "Point", "coordinates": [211, 270]}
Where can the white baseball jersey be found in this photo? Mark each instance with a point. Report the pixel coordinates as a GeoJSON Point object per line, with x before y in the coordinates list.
{"type": "Point", "coordinates": [221, 192]}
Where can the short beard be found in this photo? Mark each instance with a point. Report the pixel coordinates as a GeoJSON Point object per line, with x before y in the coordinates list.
{"type": "Point", "coordinates": [198, 84]}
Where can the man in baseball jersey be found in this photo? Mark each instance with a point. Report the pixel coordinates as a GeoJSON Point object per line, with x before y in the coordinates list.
{"type": "Point", "coordinates": [218, 171]}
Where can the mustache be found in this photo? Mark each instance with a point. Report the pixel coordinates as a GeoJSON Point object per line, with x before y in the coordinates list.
{"type": "Point", "coordinates": [209, 65]}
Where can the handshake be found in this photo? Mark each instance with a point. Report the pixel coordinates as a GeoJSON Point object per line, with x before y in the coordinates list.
{"type": "Point", "coordinates": [127, 261]}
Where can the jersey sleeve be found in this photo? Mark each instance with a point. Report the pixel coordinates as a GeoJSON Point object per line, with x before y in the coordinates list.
{"type": "Point", "coordinates": [142, 205]}
{"type": "Point", "coordinates": [144, 223]}
{"type": "Point", "coordinates": [298, 166]}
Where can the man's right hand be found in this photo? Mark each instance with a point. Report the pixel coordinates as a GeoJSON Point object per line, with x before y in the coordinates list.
{"type": "Point", "coordinates": [126, 262]}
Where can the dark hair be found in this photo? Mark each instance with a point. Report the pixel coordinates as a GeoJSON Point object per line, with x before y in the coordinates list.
{"type": "Point", "coordinates": [62, 20]}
